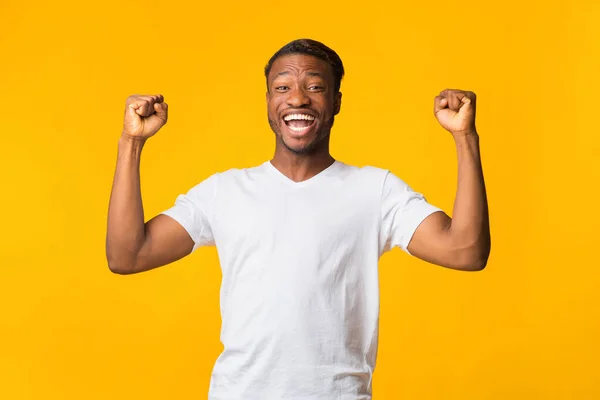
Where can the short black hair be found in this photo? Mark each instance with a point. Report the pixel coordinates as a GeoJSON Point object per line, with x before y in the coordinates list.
{"type": "Point", "coordinates": [313, 48]}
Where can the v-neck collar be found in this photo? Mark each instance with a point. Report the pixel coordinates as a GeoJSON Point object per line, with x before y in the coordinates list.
{"type": "Point", "coordinates": [280, 176]}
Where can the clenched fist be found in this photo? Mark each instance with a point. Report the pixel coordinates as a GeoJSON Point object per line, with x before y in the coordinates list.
{"type": "Point", "coordinates": [144, 115]}
{"type": "Point", "coordinates": [455, 111]}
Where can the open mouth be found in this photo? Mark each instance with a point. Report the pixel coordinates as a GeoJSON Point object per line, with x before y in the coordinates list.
{"type": "Point", "coordinates": [299, 123]}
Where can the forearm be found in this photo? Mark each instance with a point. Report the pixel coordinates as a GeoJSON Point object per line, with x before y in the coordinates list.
{"type": "Point", "coordinates": [469, 228]}
{"type": "Point", "coordinates": [126, 227]}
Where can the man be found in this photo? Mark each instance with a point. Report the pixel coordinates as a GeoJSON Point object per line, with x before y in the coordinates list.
{"type": "Point", "coordinates": [299, 237]}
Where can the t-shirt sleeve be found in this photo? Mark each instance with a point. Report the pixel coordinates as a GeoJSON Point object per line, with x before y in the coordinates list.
{"type": "Point", "coordinates": [193, 211]}
{"type": "Point", "coordinates": [402, 211]}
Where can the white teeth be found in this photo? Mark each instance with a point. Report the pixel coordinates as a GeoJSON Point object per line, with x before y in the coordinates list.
{"type": "Point", "coordinates": [298, 129]}
{"type": "Point", "coordinates": [290, 117]}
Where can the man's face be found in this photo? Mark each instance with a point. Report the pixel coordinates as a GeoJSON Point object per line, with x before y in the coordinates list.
{"type": "Point", "coordinates": [301, 101]}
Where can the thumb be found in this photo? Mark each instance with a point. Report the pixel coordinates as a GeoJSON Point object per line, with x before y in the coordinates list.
{"type": "Point", "coordinates": [467, 108]}
{"type": "Point", "coordinates": [465, 100]}
{"type": "Point", "coordinates": [439, 103]}
{"type": "Point", "coordinates": [132, 112]}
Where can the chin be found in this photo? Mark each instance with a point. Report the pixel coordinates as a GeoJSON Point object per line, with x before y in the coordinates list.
{"type": "Point", "coordinates": [305, 148]}
{"type": "Point", "coordinates": [301, 149]}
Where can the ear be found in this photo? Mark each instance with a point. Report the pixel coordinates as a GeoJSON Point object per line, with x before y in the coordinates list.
{"type": "Point", "coordinates": [337, 103]}
{"type": "Point", "coordinates": [267, 98]}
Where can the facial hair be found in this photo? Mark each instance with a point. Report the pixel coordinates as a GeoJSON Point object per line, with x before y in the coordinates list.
{"type": "Point", "coordinates": [312, 146]}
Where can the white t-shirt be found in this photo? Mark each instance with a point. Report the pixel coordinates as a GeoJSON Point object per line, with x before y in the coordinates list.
{"type": "Point", "coordinates": [300, 294]}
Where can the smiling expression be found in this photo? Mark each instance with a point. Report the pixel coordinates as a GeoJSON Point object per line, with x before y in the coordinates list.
{"type": "Point", "coordinates": [301, 102]}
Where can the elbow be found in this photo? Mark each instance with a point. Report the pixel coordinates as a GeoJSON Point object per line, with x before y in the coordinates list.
{"type": "Point", "coordinates": [119, 266]}
{"type": "Point", "coordinates": [476, 265]}
{"type": "Point", "coordinates": [474, 258]}
{"type": "Point", "coordinates": [121, 260]}
{"type": "Point", "coordinates": [119, 269]}
{"type": "Point", "coordinates": [470, 264]}
{"type": "Point", "coordinates": [477, 259]}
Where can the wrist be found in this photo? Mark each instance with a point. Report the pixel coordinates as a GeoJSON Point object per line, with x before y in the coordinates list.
{"type": "Point", "coordinates": [467, 134]}
{"type": "Point", "coordinates": [126, 139]}
{"type": "Point", "coordinates": [129, 143]}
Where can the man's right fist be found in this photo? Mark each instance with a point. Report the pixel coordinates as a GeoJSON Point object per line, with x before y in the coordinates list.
{"type": "Point", "coordinates": [144, 115]}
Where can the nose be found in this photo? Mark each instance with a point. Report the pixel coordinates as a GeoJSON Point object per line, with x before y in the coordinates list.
{"type": "Point", "coordinates": [297, 98]}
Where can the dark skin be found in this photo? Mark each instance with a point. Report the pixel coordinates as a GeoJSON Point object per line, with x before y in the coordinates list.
{"type": "Point", "coordinates": [302, 84]}
{"type": "Point", "coordinates": [298, 84]}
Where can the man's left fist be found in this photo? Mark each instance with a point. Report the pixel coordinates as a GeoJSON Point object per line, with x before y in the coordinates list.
{"type": "Point", "coordinates": [455, 111]}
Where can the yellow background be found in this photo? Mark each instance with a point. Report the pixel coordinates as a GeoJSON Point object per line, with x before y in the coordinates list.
{"type": "Point", "coordinates": [527, 327]}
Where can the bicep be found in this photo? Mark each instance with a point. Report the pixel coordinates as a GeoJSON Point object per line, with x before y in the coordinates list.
{"type": "Point", "coordinates": [432, 242]}
{"type": "Point", "coordinates": [166, 241]}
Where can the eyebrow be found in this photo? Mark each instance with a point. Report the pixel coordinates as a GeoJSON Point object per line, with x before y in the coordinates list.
{"type": "Point", "coordinates": [309, 73]}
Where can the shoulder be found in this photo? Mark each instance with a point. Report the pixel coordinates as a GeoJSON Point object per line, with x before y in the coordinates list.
{"type": "Point", "coordinates": [225, 181]}
{"type": "Point", "coordinates": [383, 180]}
{"type": "Point", "coordinates": [366, 173]}
{"type": "Point", "coordinates": [235, 175]}
{"type": "Point", "coordinates": [360, 169]}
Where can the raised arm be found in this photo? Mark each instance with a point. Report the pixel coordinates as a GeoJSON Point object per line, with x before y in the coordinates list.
{"type": "Point", "coordinates": [131, 244]}
{"type": "Point", "coordinates": [462, 242]}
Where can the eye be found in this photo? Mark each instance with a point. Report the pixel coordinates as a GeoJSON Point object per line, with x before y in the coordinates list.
{"type": "Point", "coordinates": [281, 88]}
{"type": "Point", "coordinates": [316, 88]}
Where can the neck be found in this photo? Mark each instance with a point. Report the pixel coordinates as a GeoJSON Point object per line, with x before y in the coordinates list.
{"type": "Point", "coordinates": [300, 167]}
